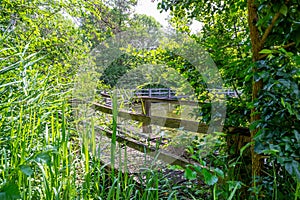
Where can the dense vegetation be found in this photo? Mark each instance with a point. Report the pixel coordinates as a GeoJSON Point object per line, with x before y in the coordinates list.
{"type": "Point", "coordinates": [44, 45]}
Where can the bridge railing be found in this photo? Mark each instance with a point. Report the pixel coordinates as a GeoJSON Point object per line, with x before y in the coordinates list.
{"type": "Point", "coordinates": [227, 92]}
{"type": "Point", "coordinates": [171, 94]}
{"type": "Point", "coordinates": [156, 92]}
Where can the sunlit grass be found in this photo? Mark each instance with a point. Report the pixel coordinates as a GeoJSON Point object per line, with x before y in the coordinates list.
{"type": "Point", "coordinates": [44, 156]}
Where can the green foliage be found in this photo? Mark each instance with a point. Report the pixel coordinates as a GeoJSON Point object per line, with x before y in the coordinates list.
{"type": "Point", "coordinates": [10, 191]}
{"type": "Point", "coordinates": [226, 36]}
{"type": "Point", "coordinates": [287, 28]}
{"type": "Point", "coordinates": [141, 21]}
{"type": "Point", "coordinates": [114, 72]}
{"type": "Point", "coordinates": [215, 167]}
{"type": "Point", "coordinates": [100, 19]}
{"type": "Point", "coordinates": [279, 105]}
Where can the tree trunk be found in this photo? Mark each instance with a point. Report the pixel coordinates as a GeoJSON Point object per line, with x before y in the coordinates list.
{"type": "Point", "coordinates": [256, 86]}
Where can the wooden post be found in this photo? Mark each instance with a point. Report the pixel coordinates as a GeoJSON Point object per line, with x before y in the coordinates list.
{"type": "Point", "coordinates": [146, 109]}
{"type": "Point", "coordinates": [169, 107]}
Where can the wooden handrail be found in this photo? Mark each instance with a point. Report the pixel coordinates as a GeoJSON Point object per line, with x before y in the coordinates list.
{"type": "Point", "coordinates": [154, 120]}
{"type": "Point", "coordinates": [163, 121]}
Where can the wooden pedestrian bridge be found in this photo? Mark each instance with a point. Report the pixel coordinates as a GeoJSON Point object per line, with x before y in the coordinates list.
{"type": "Point", "coordinates": [146, 97]}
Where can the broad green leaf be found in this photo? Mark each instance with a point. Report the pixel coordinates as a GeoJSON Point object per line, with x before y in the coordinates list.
{"type": "Point", "coordinates": [289, 107]}
{"type": "Point", "coordinates": [197, 168]}
{"type": "Point", "coordinates": [297, 135]}
{"type": "Point", "coordinates": [190, 174]}
{"type": "Point", "coordinates": [285, 83]}
{"type": "Point", "coordinates": [283, 9]}
{"type": "Point", "coordinates": [288, 147]}
{"type": "Point", "coordinates": [266, 51]}
{"type": "Point", "coordinates": [175, 167]}
{"type": "Point", "coordinates": [293, 168]}
{"type": "Point", "coordinates": [259, 147]}
{"type": "Point", "coordinates": [43, 157]}
{"type": "Point", "coordinates": [209, 178]}
{"type": "Point", "coordinates": [26, 170]}
{"type": "Point", "coordinates": [10, 191]}
{"type": "Point", "coordinates": [296, 169]}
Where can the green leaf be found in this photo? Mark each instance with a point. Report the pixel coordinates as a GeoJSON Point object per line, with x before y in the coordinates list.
{"type": "Point", "coordinates": [43, 157]}
{"type": "Point", "coordinates": [293, 168]}
{"type": "Point", "coordinates": [289, 107]}
{"type": "Point", "coordinates": [297, 135]}
{"type": "Point", "coordinates": [245, 147]}
{"type": "Point", "coordinates": [219, 172]}
{"type": "Point", "coordinates": [296, 169]}
{"type": "Point", "coordinates": [256, 137]}
{"type": "Point", "coordinates": [266, 51]}
{"type": "Point", "coordinates": [259, 147]}
{"type": "Point", "coordinates": [283, 9]}
{"type": "Point", "coordinates": [237, 185]}
{"type": "Point", "coordinates": [9, 68]}
{"type": "Point", "coordinates": [254, 125]}
{"type": "Point", "coordinates": [233, 184]}
{"type": "Point", "coordinates": [285, 83]}
{"type": "Point", "coordinates": [26, 170]}
{"type": "Point", "coordinates": [297, 60]}
{"type": "Point", "coordinates": [197, 168]}
{"type": "Point", "coordinates": [190, 174]}
{"type": "Point", "coordinates": [270, 151]}
{"type": "Point", "coordinates": [288, 147]}
{"type": "Point", "coordinates": [209, 178]}
{"type": "Point", "coordinates": [10, 191]}
{"type": "Point", "coordinates": [282, 102]}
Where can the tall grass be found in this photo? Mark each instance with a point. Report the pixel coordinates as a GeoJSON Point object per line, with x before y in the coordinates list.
{"type": "Point", "coordinates": [42, 154]}
{"type": "Point", "coordinates": [35, 147]}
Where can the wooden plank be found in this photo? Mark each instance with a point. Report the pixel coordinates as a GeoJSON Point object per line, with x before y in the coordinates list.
{"type": "Point", "coordinates": [165, 121]}
{"type": "Point", "coordinates": [104, 94]}
{"type": "Point", "coordinates": [162, 155]}
{"type": "Point", "coordinates": [155, 120]}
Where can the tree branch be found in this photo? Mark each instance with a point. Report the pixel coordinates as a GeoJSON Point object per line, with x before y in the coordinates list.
{"type": "Point", "coordinates": [285, 46]}
{"type": "Point", "coordinates": [269, 29]}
